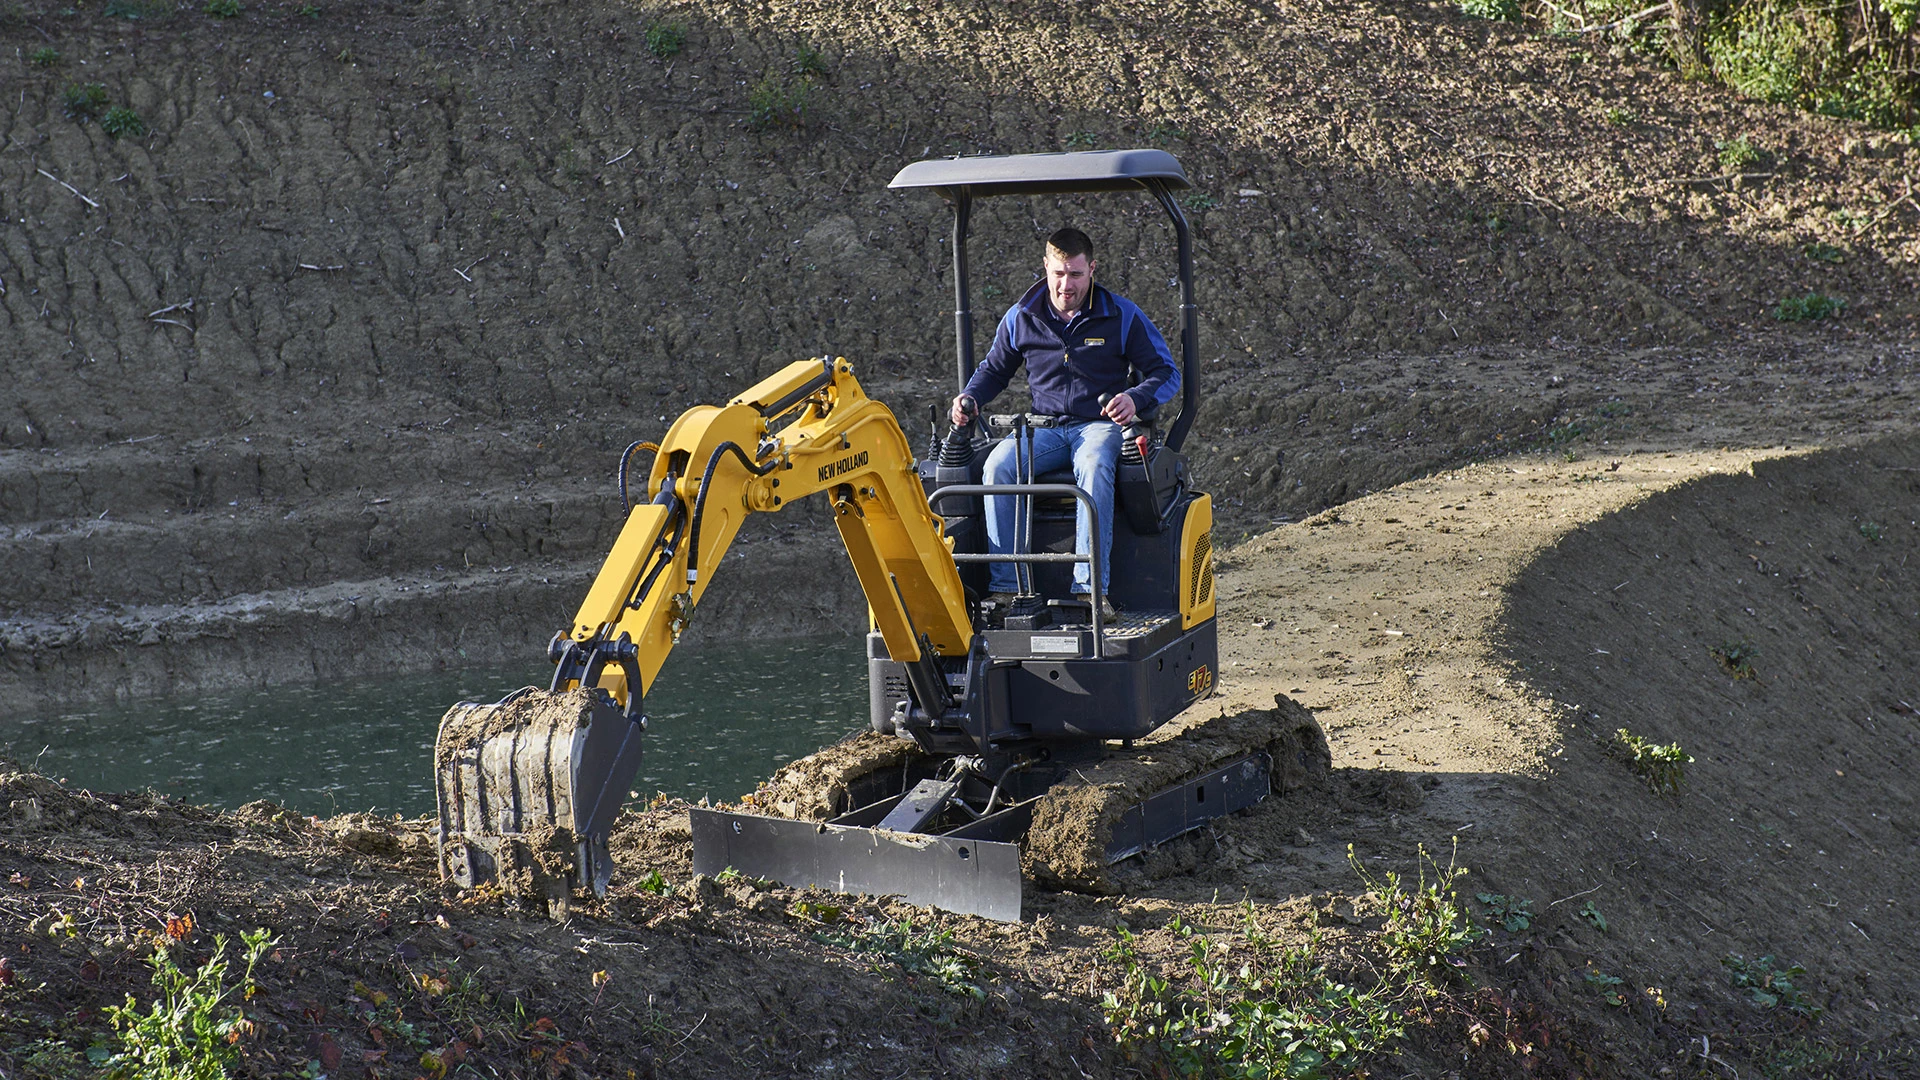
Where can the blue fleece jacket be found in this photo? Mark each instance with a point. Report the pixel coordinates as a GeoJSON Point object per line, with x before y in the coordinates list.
{"type": "Point", "coordinates": [1068, 367]}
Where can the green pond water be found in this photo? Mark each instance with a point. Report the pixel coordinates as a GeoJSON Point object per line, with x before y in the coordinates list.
{"type": "Point", "coordinates": [720, 719]}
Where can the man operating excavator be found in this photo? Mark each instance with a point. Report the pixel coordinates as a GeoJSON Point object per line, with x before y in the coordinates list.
{"type": "Point", "coordinates": [1094, 362]}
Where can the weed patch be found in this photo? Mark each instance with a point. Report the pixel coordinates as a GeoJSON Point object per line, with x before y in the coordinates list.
{"type": "Point", "coordinates": [1498, 10]}
{"type": "Point", "coordinates": [45, 56]}
{"type": "Point", "coordinates": [1771, 986]}
{"type": "Point", "coordinates": [1808, 308]}
{"type": "Point", "coordinates": [222, 9]}
{"type": "Point", "coordinates": [1736, 658]}
{"type": "Point", "coordinates": [85, 101]}
{"type": "Point", "coordinates": [1825, 253]}
{"type": "Point", "coordinates": [1427, 930]}
{"type": "Point", "coordinates": [1664, 768]}
{"type": "Point", "coordinates": [1512, 912]}
{"type": "Point", "coordinates": [809, 63]}
{"type": "Point", "coordinates": [121, 120]}
{"type": "Point", "coordinates": [1200, 201]}
{"type": "Point", "coordinates": [1608, 986]}
{"type": "Point", "coordinates": [666, 40]}
{"type": "Point", "coordinates": [1734, 153]}
{"type": "Point", "coordinates": [190, 1032]}
{"type": "Point", "coordinates": [1244, 1008]}
{"type": "Point", "coordinates": [930, 953]}
{"type": "Point", "coordinates": [1871, 530]}
{"type": "Point", "coordinates": [1593, 917]}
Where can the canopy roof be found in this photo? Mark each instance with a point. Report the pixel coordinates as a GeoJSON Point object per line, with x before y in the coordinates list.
{"type": "Point", "coordinates": [1031, 174]}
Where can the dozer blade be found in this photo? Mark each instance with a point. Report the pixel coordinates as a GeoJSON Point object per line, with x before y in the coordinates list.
{"type": "Point", "coordinates": [528, 789]}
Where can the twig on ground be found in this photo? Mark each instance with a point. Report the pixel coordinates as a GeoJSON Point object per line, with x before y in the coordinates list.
{"type": "Point", "coordinates": [69, 187]}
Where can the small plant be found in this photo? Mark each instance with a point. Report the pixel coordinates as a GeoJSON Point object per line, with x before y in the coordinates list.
{"type": "Point", "coordinates": [1871, 530]}
{"type": "Point", "coordinates": [121, 120]}
{"type": "Point", "coordinates": [1593, 916]}
{"type": "Point", "coordinates": [222, 9]}
{"type": "Point", "coordinates": [665, 40]}
{"type": "Point", "coordinates": [1514, 913]}
{"type": "Point", "coordinates": [1163, 132]}
{"type": "Point", "coordinates": [1770, 986]}
{"type": "Point", "coordinates": [1664, 768]}
{"type": "Point", "coordinates": [85, 100]}
{"type": "Point", "coordinates": [1618, 116]}
{"type": "Point", "coordinates": [190, 1032]}
{"type": "Point", "coordinates": [809, 63]}
{"type": "Point", "coordinates": [1245, 1009]}
{"type": "Point", "coordinates": [1609, 987]}
{"type": "Point", "coordinates": [1082, 140]}
{"type": "Point", "coordinates": [656, 883]}
{"type": "Point", "coordinates": [1497, 10]}
{"type": "Point", "coordinates": [1736, 657]}
{"type": "Point", "coordinates": [1427, 928]}
{"type": "Point", "coordinates": [45, 56]}
{"type": "Point", "coordinates": [1736, 152]}
{"type": "Point", "coordinates": [1826, 253]}
{"type": "Point", "coordinates": [1200, 201]}
{"type": "Point", "coordinates": [930, 952]}
{"type": "Point", "coordinates": [1808, 308]}
{"type": "Point", "coordinates": [777, 102]}
{"type": "Point", "coordinates": [311, 11]}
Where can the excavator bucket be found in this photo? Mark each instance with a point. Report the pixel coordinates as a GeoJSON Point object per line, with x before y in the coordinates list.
{"type": "Point", "coordinates": [528, 789]}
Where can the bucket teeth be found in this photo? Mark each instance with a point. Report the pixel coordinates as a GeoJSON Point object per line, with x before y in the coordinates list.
{"type": "Point", "coordinates": [528, 789]}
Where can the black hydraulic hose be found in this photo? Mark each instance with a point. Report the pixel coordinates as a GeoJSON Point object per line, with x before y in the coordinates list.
{"type": "Point", "coordinates": [700, 501]}
{"type": "Point", "coordinates": [626, 456]}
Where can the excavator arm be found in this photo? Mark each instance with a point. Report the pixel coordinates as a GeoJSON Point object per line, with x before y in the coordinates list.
{"type": "Point", "coordinates": [808, 428]}
{"type": "Point", "coordinates": [528, 788]}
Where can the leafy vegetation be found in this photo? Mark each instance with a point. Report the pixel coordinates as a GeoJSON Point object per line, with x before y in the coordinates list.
{"type": "Point", "coordinates": [1664, 768]}
{"type": "Point", "coordinates": [1770, 986]}
{"type": "Point", "coordinates": [1246, 1008]}
{"type": "Point", "coordinates": [1498, 10]}
{"type": "Point", "coordinates": [85, 101]}
{"type": "Point", "coordinates": [222, 9]}
{"type": "Point", "coordinates": [190, 1032]}
{"type": "Point", "coordinates": [44, 56]}
{"type": "Point", "coordinates": [1807, 308]}
{"type": "Point", "coordinates": [121, 120]}
{"type": "Point", "coordinates": [1608, 987]}
{"type": "Point", "coordinates": [1736, 152]}
{"type": "Point", "coordinates": [1427, 927]}
{"type": "Point", "coordinates": [1593, 917]}
{"type": "Point", "coordinates": [897, 944]}
{"type": "Point", "coordinates": [1512, 912]}
{"type": "Point", "coordinates": [666, 40]}
{"type": "Point", "coordinates": [1736, 658]}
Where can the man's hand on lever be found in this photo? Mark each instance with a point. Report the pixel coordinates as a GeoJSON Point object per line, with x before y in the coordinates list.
{"type": "Point", "coordinates": [1119, 408]}
{"type": "Point", "coordinates": [964, 410]}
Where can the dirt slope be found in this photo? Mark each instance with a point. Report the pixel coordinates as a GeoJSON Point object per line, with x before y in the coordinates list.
{"type": "Point", "coordinates": [1495, 408]}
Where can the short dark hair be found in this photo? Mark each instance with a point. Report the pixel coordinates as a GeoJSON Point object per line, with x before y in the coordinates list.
{"type": "Point", "coordinates": [1070, 242]}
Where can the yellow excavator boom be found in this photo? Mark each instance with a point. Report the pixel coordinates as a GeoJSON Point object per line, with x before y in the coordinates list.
{"type": "Point", "coordinates": [718, 464]}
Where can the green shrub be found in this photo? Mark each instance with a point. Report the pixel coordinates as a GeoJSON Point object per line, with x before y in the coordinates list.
{"type": "Point", "coordinates": [665, 40]}
{"type": "Point", "coordinates": [85, 100]}
{"type": "Point", "coordinates": [1808, 308]}
{"type": "Point", "coordinates": [930, 953]}
{"type": "Point", "coordinates": [121, 120]}
{"type": "Point", "coordinates": [1427, 927]}
{"type": "Point", "coordinates": [809, 63]}
{"type": "Point", "coordinates": [44, 56]}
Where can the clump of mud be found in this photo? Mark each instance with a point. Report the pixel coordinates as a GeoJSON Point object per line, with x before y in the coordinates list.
{"type": "Point", "coordinates": [1067, 844]}
{"type": "Point", "coordinates": [820, 786]}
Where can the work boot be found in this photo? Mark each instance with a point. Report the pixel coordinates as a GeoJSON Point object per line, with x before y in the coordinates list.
{"type": "Point", "coordinates": [1001, 600]}
{"type": "Point", "coordinates": [1108, 612]}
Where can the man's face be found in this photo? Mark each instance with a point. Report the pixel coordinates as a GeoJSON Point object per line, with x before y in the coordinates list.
{"type": "Point", "coordinates": [1068, 279]}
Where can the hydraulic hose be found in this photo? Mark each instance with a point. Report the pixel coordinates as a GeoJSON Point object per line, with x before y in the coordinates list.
{"type": "Point", "coordinates": [700, 501]}
{"type": "Point", "coordinates": [626, 504]}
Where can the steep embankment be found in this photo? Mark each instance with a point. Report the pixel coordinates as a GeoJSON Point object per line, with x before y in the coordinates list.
{"type": "Point", "coordinates": [369, 305]}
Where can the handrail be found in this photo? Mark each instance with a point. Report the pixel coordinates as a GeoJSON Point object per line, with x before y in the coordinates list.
{"type": "Point", "coordinates": [1093, 555]}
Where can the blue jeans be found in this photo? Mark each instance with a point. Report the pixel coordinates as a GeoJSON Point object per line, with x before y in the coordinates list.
{"type": "Point", "coordinates": [1093, 448]}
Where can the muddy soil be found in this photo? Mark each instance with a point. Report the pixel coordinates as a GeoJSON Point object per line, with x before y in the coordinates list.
{"type": "Point", "coordinates": [326, 373]}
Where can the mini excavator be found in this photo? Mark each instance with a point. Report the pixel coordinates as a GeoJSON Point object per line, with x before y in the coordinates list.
{"type": "Point", "coordinates": [979, 715]}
